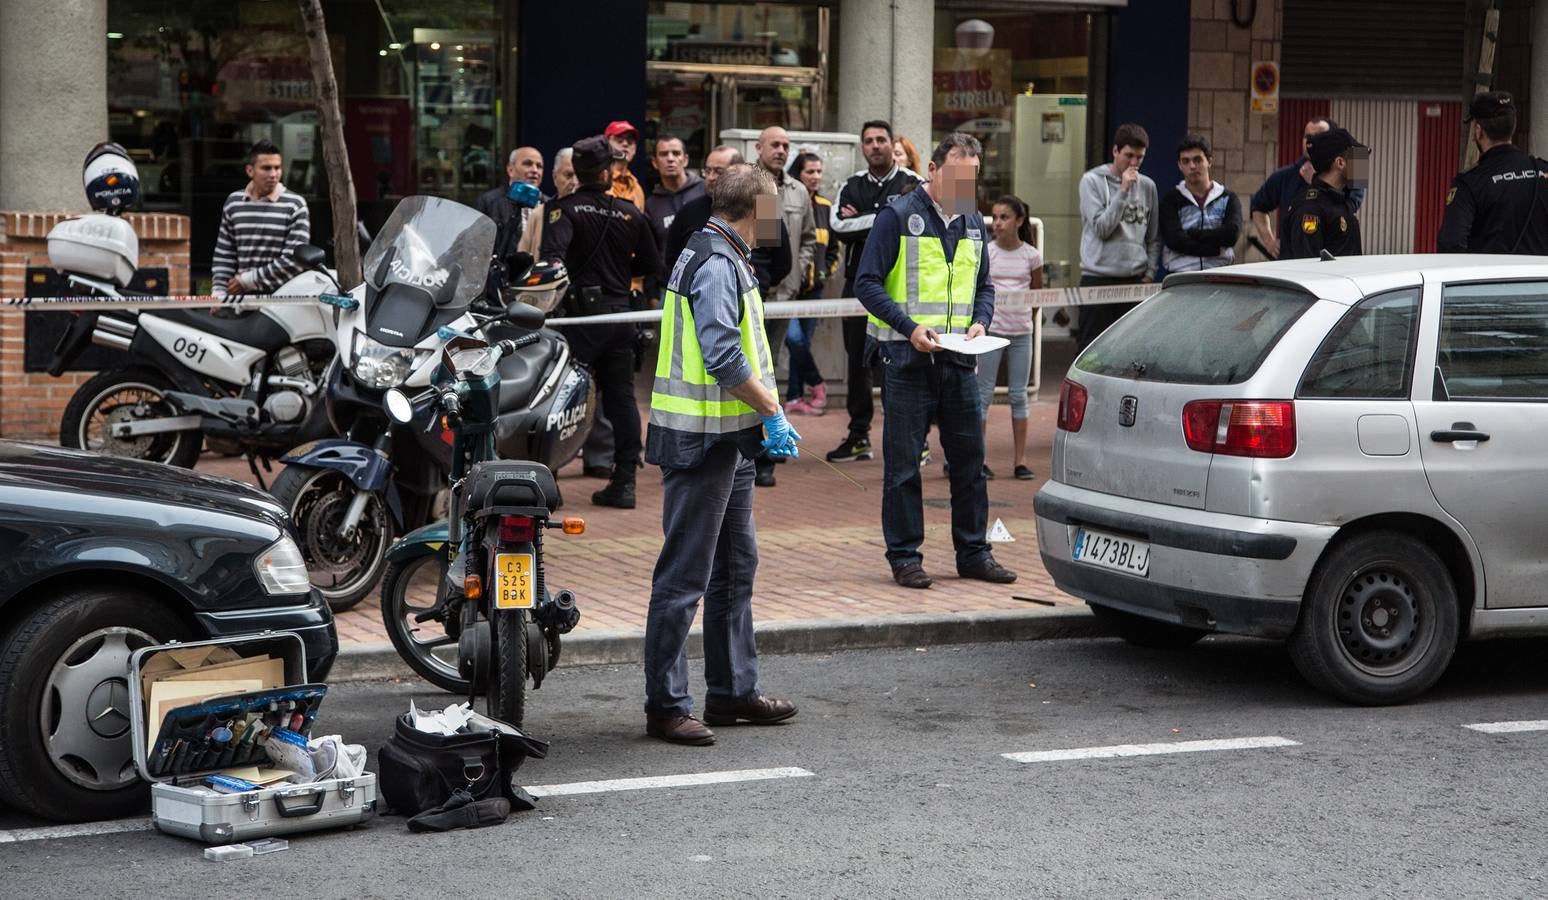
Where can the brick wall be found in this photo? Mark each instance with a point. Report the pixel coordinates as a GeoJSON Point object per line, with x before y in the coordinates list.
{"type": "Point", "coordinates": [31, 404]}
{"type": "Point", "coordinates": [1220, 96]}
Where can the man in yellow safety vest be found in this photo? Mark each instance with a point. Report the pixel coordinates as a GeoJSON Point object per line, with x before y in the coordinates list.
{"type": "Point", "coordinates": [924, 273]}
{"type": "Point", "coordinates": [713, 402]}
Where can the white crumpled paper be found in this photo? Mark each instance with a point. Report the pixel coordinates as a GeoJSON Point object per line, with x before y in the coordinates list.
{"type": "Point", "coordinates": [451, 720]}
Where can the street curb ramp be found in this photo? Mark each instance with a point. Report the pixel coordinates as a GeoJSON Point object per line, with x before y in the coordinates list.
{"type": "Point", "coordinates": [626, 646]}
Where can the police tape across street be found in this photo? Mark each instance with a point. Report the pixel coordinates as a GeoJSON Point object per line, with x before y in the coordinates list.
{"type": "Point", "coordinates": [788, 309]}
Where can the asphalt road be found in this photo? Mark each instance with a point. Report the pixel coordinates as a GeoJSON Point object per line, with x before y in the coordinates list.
{"type": "Point", "coordinates": [910, 795]}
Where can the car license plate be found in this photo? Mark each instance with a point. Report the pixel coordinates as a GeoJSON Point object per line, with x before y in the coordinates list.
{"type": "Point", "coordinates": [1112, 552]}
{"type": "Point", "coordinates": [513, 581]}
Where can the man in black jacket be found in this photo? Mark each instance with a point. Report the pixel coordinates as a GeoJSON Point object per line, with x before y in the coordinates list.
{"type": "Point", "coordinates": [771, 264]}
{"type": "Point", "coordinates": [525, 164]}
{"type": "Point", "coordinates": [1200, 219]}
{"type": "Point", "coordinates": [859, 198]}
{"type": "Point", "coordinates": [1322, 216]}
{"type": "Point", "coordinates": [1499, 205]}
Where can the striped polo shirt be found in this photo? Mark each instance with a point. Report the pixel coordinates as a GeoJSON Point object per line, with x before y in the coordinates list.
{"type": "Point", "coordinates": [256, 235]}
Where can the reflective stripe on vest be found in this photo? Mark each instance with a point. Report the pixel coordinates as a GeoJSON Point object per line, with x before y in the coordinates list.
{"type": "Point", "coordinates": [933, 292]}
{"type": "Point", "coordinates": [686, 397]}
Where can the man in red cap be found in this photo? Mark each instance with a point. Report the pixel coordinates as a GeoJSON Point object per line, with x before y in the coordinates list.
{"type": "Point", "coordinates": [625, 140]}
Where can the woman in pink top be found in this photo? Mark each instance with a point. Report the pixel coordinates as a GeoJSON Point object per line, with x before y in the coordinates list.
{"type": "Point", "coordinates": [1014, 265]}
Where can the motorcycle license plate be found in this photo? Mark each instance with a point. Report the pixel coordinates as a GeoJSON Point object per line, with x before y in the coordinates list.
{"type": "Point", "coordinates": [513, 581]}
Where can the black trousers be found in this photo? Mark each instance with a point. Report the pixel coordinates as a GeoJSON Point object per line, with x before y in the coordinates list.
{"type": "Point", "coordinates": [609, 352]}
{"type": "Point", "coordinates": [857, 379]}
{"type": "Point", "coordinates": [1095, 319]}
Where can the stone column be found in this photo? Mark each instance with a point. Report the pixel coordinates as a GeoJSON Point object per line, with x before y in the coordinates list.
{"type": "Point", "coordinates": [53, 100]}
{"type": "Point", "coordinates": [1538, 137]}
{"type": "Point", "coordinates": [886, 59]}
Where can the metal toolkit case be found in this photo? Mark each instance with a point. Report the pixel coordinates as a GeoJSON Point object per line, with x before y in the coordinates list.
{"type": "Point", "coordinates": [183, 805]}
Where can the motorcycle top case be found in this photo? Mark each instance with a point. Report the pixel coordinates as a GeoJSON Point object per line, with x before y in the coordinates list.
{"type": "Point", "coordinates": [182, 803]}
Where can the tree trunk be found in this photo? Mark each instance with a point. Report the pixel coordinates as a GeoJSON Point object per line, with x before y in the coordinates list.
{"type": "Point", "coordinates": [341, 187]}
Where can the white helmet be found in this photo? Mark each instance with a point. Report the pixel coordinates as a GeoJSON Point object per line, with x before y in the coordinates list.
{"type": "Point", "coordinates": [112, 181]}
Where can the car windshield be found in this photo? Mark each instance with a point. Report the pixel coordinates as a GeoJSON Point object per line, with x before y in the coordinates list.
{"type": "Point", "coordinates": [440, 247]}
{"type": "Point", "coordinates": [1197, 333]}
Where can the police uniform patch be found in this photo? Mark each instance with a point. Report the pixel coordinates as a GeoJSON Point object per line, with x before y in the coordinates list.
{"type": "Point", "coordinates": [973, 234]}
{"type": "Point", "coordinates": [1343, 224]}
{"type": "Point", "coordinates": [554, 215]}
{"type": "Point", "coordinates": [1311, 194]}
{"type": "Point", "coordinates": [1449, 195]}
{"type": "Point", "coordinates": [674, 283]}
{"type": "Point", "coordinates": [1309, 224]}
{"type": "Point", "coordinates": [916, 224]}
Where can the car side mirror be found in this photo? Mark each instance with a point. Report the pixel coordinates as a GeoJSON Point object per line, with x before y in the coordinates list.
{"type": "Point", "coordinates": [309, 256]}
{"type": "Point", "coordinates": [525, 315]}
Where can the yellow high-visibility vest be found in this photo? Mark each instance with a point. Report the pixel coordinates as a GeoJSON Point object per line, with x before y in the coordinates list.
{"type": "Point", "coordinates": [935, 292]}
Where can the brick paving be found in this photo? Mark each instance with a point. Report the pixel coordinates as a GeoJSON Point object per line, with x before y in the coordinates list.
{"type": "Point", "coordinates": [819, 538]}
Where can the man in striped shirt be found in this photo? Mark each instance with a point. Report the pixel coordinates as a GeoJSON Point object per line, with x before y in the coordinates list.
{"type": "Point", "coordinates": [259, 226]}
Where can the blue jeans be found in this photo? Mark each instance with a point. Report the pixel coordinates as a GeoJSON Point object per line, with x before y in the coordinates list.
{"type": "Point", "coordinates": [913, 397]}
{"type": "Point", "coordinates": [803, 367]}
{"type": "Point", "coordinates": [709, 550]}
{"type": "Point", "coordinates": [1018, 374]}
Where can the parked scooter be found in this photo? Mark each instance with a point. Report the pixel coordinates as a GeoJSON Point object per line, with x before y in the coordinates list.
{"type": "Point", "coordinates": [473, 586]}
{"type": "Point", "coordinates": [251, 381]}
{"type": "Point", "coordinates": [424, 280]}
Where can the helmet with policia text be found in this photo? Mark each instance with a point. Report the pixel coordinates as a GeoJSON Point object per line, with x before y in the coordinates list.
{"type": "Point", "coordinates": [112, 182]}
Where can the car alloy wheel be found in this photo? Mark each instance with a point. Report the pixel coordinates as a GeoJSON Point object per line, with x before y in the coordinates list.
{"type": "Point", "coordinates": [84, 719]}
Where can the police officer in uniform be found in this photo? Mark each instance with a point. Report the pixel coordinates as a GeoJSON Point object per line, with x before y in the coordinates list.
{"type": "Point", "coordinates": [924, 272]}
{"type": "Point", "coordinates": [1500, 205]}
{"type": "Point", "coordinates": [604, 242]}
{"type": "Point", "coordinates": [1321, 217]}
{"type": "Point", "coordinates": [712, 403]}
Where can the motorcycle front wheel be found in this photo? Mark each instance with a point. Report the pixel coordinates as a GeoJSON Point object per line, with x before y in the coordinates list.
{"type": "Point", "coordinates": [506, 693]}
{"type": "Point", "coordinates": [429, 647]}
{"type": "Point", "coordinates": [126, 395]}
{"type": "Point", "coordinates": [343, 569]}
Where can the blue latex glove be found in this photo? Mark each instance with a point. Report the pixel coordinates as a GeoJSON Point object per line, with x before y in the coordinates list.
{"type": "Point", "coordinates": [780, 438]}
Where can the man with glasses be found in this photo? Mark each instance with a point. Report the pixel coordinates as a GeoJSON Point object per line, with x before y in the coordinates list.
{"type": "Point", "coordinates": [771, 263]}
{"type": "Point", "coordinates": [1279, 190]}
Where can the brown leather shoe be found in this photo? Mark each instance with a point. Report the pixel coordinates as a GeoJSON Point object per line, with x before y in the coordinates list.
{"type": "Point", "coordinates": [679, 730]}
{"type": "Point", "coordinates": [762, 711]}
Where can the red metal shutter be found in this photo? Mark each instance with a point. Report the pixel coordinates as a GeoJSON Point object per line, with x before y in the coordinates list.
{"type": "Point", "coordinates": [1293, 116]}
{"type": "Point", "coordinates": [1439, 125]}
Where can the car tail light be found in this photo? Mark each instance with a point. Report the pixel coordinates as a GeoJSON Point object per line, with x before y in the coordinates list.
{"type": "Point", "coordinates": [517, 529]}
{"type": "Point", "coordinates": [1257, 428]}
{"type": "Point", "coordinates": [1072, 406]}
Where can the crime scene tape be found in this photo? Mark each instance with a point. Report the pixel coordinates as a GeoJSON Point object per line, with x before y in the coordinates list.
{"type": "Point", "coordinates": [784, 309]}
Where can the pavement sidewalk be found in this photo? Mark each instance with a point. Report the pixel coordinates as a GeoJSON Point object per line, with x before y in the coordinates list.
{"type": "Point", "coordinates": [821, 567]}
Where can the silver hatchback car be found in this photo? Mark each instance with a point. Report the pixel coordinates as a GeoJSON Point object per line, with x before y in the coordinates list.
{"type": "Point", "coordinates": [1348, 454]}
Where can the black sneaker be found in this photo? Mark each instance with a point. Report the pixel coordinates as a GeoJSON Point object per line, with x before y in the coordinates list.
{"type": "Point", "coordinates": [618, 494]}
{"type": "Point", "coordinates": [852, 449]}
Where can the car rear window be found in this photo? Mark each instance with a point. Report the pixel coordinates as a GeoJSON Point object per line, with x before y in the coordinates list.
{"type": "Point", "coordinates": [1199, 333]}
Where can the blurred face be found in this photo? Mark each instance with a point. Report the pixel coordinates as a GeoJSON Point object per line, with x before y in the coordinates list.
{"type": "Point", "coordinates": [714, 164]}
{"type": "Point", "coordinates": [1005, 222]}
{"type": "Point", "coordinates": [899, 155]}
{"type": "Point", "coordinates": [565, 181]}
{"type": "Point", "coordinates": [1194, 166]}
{"type": "Point", "coordinates": [527, 166]}
{"type": "Point", "coordinates": [766, 228]}
{"type": "Point", "coordinates": [624, 145]}
{"type": "Point", "coordinates": [876, 144]}
{"type": "Point", "coordinates": [1312, 130]}
{"type": "Point", "coordinates": [954, 183]}
{"type": "Point", "coordinates": [1125, 158]}
{"type": "Point", "coordinates": [265, 172]}
{"type": "Point", "coordinates": [811, 175]}
{"type": "Point", "coordinates": [670, 159]}
{"type": "Point", "coordinates": [774, 148]}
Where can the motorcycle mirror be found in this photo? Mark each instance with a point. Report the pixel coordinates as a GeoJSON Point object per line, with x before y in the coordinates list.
{"type": "Point", "coordinates": [309, 256]}
{"type": "Point", "coordinates": [525, 315]}
{"type": "Point", "coordinates": [399, 407]}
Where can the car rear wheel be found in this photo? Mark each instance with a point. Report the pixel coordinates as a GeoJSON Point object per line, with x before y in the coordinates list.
{"type": "Point", "coordinates": [1379, 621]}
{"type": "Point", "coordinates": [65, 750]}
{"type": "Point", "coordinates": [1143, 632]}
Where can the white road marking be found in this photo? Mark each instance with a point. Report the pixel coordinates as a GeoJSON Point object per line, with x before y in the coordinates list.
{"type": "Point", "coordinates": [118, 826]}
{"type": "Point", "coordinates": [85, 829]}
{"type": "Point", "coordinates": [665, 781]}
{"type": "Point", "coordinates": [1510, 727]}
{"type": "Point", "coordinates": [1250, 743]}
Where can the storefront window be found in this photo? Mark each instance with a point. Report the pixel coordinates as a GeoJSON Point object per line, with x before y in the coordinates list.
{"type": "Point", "coordinates": [714, 66]}
{"type": "Point", "coordinates": [1018, 82]}
{"type": "Point", "coordinates": [192, 83]}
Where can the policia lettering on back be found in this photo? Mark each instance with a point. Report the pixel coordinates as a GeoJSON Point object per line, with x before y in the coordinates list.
{"type": "Point", "coordinates": [686, 397]}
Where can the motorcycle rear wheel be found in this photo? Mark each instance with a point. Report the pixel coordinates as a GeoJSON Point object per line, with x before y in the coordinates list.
{"type": "Point", "coordinates": [343, 571]}
{"type": "Point", "coordinates": [109, 398]}
{"type": "Point", "coordinates": [506, 693]}
{"type": "Point", "coordinates": [410, 587]}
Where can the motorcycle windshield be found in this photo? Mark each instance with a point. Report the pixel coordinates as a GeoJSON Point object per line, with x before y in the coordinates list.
{"type": "Point", "coordinates": [435, 245]}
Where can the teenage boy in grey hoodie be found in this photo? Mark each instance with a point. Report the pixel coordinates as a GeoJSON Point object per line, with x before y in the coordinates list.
{"type": "Point", "coordinates": [1120, 235]}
